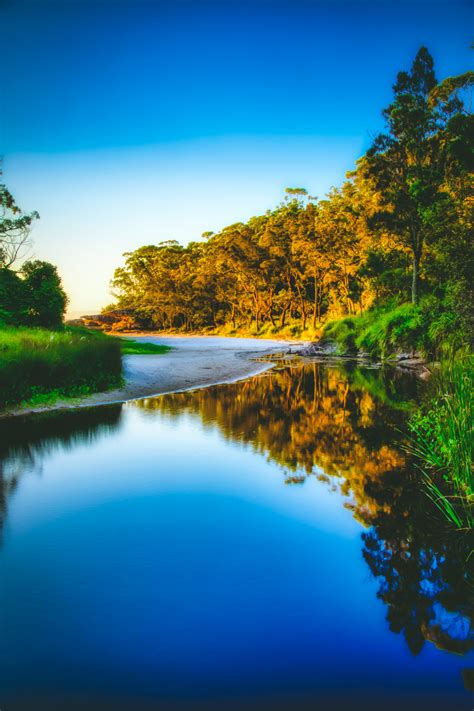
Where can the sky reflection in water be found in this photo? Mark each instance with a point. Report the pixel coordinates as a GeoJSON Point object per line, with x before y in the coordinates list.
{"type": "Point", "coordinates": [223, 544]}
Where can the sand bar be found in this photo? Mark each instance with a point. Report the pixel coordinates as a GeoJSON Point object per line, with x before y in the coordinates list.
{"type": "Point", "coordinates": [193, 362]}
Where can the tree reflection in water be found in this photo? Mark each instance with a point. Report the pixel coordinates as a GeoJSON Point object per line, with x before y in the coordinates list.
{"type": "Point", "coordinates": [24, 441]}
{"type": "Point", "coordinates": [344, 425]}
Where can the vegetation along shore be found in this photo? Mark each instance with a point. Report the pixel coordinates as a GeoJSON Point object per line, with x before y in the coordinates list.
{"type": "Point", "coordinates": [381, 266]}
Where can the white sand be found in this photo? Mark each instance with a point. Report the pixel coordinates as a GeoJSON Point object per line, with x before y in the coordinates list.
{"type": "Point", "coordinates": [194, 362]}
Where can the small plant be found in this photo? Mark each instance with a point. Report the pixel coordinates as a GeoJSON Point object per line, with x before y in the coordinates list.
{"type": "Point", "coordinates": [442, 442]}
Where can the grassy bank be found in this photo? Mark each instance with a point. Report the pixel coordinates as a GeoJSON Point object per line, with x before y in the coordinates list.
{"type": "Point", "coordinates": [132, 347]}
{"type": "Point", "coordinates": [38, 364]}
{"type": "Point", "coordinates": [428, 328]}
{"type": "Point", "coordinates": [441, 431]}
{"type": "Point", "coordinates": [379, 332]}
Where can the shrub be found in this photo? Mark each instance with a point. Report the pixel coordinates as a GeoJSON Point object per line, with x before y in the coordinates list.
{"type": "Point", "coordinates": [390, 330]}
{"type": "Point", "coordinates": [12, 297]}
{"type": "Point", "coordinates": [435, 328]}
{"type": "Point", "coordinates": [343, 332]}
{"type": "Point", "coordinates": [45, 298]}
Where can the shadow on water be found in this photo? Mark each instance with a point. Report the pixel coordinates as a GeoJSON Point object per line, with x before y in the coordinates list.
{"type": "Point", "coordinates": [342, 425]}
{"type": "Point", "coordinates": [24, 441]}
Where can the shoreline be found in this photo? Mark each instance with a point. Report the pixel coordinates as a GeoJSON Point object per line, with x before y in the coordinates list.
{"type": "Point", "coordinates": [189, 365]}
{"type": "Point", "coordinates": [197, 334]}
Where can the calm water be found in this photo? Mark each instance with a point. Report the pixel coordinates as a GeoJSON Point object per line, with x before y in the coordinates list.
{"type": "Point", "coordinates": [255, 545]}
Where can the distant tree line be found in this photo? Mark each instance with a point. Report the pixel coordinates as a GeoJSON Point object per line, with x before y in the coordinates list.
{"type": "Point", "coordinates": [398, 229]}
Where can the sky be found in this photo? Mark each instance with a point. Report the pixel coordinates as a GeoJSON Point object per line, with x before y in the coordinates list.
{"type": "Point", "coordinates": [128, 123]}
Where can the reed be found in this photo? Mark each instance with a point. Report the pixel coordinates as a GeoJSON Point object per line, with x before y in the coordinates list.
{"type": "Point", "coordinates": [441, 440]}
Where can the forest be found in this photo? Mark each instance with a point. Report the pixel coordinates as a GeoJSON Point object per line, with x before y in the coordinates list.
{"type": "Point", "coordinates": [393, 241]}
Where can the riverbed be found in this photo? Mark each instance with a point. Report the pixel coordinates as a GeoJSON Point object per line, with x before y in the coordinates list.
{"type": "Point", "coordinates": [251, 545]}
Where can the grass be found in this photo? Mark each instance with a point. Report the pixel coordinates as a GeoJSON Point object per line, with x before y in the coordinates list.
{"type": "Point", "coordinates": [132, 347]}
{"type": "Point", "coordinates": [379, 332]}
{"type": "Point", "coordinates": [442, 442]}
{"type": "Point", "coordinates": [39, 366]}
{"type": "Point", "coordinates": [434, 328]}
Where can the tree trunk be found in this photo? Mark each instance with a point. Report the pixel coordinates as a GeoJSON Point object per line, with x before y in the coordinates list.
{"type": "Point", "coordinates": [415, 277]}
{"type": "Point", "coordinates": [315, 302]}
{"type": "Point", "coordinates": [303, 316]}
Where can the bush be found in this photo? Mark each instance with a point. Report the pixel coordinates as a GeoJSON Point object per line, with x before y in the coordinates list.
{"type": "Point", "coordinates": [378, 332]}
{"type": "Point", "coordinates": [32, 297]}
{"type": "Point", "coordinates": [12, 298]}
{"type": "Point", "coordinates": [434, 328]}
{"type": "Point", "coordinates": [44, 295]}
{"type": "Point", "coordinates": [397, 329]}
{"type": "Point", "coordinates": [343, 332]}
{"type": "Point", "coordinates": [36, 362]}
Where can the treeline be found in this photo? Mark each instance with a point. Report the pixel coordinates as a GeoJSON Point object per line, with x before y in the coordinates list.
{"type": "Point", "coordinates": [399, 229]}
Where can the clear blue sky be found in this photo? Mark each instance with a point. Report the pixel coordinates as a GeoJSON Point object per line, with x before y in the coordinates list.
{"type": "Point", "coordinates": [125, 123]}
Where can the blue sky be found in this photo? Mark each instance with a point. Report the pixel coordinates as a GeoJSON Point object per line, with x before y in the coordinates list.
{"type": "Point", "coordinates": [125, 123]}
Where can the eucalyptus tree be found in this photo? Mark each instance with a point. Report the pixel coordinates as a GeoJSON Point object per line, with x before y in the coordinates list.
{"type": "Point", "coordinates": [404, 162]}
{"type": "Point", "coordinates": [15, 227]}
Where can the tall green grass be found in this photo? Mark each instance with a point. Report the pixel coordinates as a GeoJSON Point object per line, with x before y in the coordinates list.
{"type": "Point", "coordinates": [442, 442]}
{"type": "Point", "coordinates": [432, 328]}
{"type": "Point", "coordinates": [132, 347]}
{"type": "Point", "coordinates": [37, 362]}
{"type": "Point", "coordinates": [378, 332]}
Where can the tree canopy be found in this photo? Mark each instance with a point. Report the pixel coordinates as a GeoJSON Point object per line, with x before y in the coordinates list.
{"type": "Point", "coordinates": [30, 294]}
{"type": "Point", "coordinates": [15, 228]}
{"type": "Point", "coordinates": [398, 229]}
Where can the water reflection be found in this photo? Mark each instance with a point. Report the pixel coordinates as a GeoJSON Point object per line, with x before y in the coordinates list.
{"type": "Point", "coordinates": [343, 425]}
{"type": "Point", "coordinates": [311, 420]}
{"type": "Point", "coordinates": [24, 441]}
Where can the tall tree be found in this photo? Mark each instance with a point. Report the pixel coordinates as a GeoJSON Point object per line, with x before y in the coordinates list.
{"type": "Point", "coordinates": [403, 162]}
{"type": "Point", "coordinates": [45, 297]}
{"type": "Point", "coordinates": [14, 228]}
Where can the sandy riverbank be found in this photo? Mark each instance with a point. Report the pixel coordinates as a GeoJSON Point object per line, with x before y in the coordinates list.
{"type": "Point", "coordinates": [193, 362]}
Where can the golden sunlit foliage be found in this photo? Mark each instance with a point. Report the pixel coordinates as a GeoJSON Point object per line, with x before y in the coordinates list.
{"type": "Point", "coordinates": [398, 229]}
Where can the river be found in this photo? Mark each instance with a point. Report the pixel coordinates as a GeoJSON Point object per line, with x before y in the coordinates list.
{"type": "Point", "coordinates": [260, 544]}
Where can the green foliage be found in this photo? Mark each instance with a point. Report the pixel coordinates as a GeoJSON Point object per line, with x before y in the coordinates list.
{"type": "Point", "coordinates": [434, 328]}
{"type": "Point", "coordinates": [34, 296]}
{"type": "Point", "coordinates": [442, 441]}
{"type": "Point", "coordinates": [44, 296]}
{"type": "Point", "coordinates": [12, 297]}
{"type": "Point", "coordinates": [36, 362]}
{"type": "Point", "coordinates": [399, 227]}
{"type": "Point", "coordinates": [399, 328]}
{"type": "Point", "coordinates": [132, 347]}
{"type": "Point", "coordinates": [343, 332]}
{"type": "Point", "coordinates": [379, 332]}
